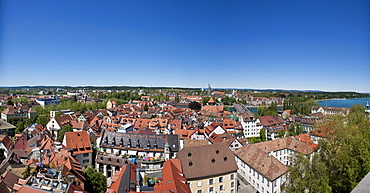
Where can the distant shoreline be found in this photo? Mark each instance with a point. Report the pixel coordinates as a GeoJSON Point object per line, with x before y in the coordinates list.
{"type": "Point", "coordinates": [341, 99]}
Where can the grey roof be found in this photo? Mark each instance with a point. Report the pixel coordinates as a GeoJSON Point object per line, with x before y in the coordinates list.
{"type": "Point", "coordinates": [139, 141]}
{"type": "Point", "coordinates": [112, 160]}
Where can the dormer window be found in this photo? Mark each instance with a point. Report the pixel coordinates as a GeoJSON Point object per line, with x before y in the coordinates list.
{"type": "Point", "coordinates": [225, 158]}
{"type": "Point", "coordinates": [190, 164]}
{"type": "Point", "coordinates": [217, 152]}
{"type": "Point", "coordinates": [213, 160]}
{"type": "Point", "coordinates": [189, 154]}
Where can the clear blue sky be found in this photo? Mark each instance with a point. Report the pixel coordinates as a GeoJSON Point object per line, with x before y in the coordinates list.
{"type": "Point", "coordinates": [321, 45]}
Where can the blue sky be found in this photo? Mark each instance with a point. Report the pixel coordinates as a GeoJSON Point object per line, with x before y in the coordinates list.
{"type": "Point", "coordinates": [282, 44]}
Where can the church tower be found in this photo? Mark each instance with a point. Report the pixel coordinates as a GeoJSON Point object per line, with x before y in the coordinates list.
{"type": "Point", "coordinates": [209, 90]}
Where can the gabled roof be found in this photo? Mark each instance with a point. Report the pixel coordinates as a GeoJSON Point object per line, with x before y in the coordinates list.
{"type": "Point", "coordinates": [184, 134]}
{"type": "Point", "coordinates": [305, 138]}
{"type": "Point", "coordinates": [173, 178]}
{"type": "Point", "coordinates": [214, 138]}
{"type": "Point", "coordinates": [285, 143]}
{"type": "Point", "coordinates": [266, 165]}
{"type": "Point", "coordinates": [207, 160]}
{"type": "Point", "coordinates": [63, 120]}
{"type": "Point", "coordinates": [270, 120]}
{"type": "Point", "coordinates": [5, 139]}
{"type": "Point", "coordinates": [79, 141]}
{"type": "Point", "coordinates": [9, 179]}
{"type": "Point", "coordinates": [64, 159]}
{"type": "Point", "coordinates": [21, 143]}
{"type": "Point", "coordinates": [124, 180]}
{"type": "Point", "coordinates": [211, 100]}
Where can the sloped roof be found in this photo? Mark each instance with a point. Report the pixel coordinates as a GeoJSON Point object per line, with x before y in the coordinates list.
{"type": "Point", "coordinates": [145, 142]}
{"type": "Point", "coordinates": [194, 142]}
{"type": "Point", "coordinates": [173, 178]}
{"type": "Point", "coordinates": [270, 120]}
{"type": "Point", "coordinates": [305, 138]}
{"type": "Point", "coordinates": [79, 141]}
{"type": "Point", "coordinates": [213, 109]}
{"type": "Point", "coordinates": [214, 138]}
{"type": "Point", "coordinates": [9, 179]}
{"type": "Point", "coordinates": [211, 100]}
{"type": "Point", "coordinates": [207, 160]}
{"type": "Point", "coordinates": [285, 143]}
{"type": "Point", "coordinates": [124, 180]}
{"type": "Point", "coordinates": [5, 139]}
{"type": "Point", "coordinates": [268, 166]}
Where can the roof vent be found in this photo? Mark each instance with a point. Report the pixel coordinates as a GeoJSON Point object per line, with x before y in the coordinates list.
{"type": "Point", "coordinates": [190, 164]}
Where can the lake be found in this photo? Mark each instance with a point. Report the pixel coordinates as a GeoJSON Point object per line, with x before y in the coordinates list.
{"type": "Point", "coordinates": [346, 103]}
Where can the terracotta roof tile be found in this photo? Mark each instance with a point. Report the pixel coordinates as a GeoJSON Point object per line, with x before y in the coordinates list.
{"type": "Point", "coordinates": [268, 166]}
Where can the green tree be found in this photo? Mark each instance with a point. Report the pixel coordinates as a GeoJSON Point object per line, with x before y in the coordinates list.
{"type": "Point", "coordinates": [10, 102]}
{"type": "Point", "coordinates": [262, 110]}
{"type": "Point", "coordinates": [20, 127]}
{"type": "Point", "coordinates": [14, 120]}
{"type": "Point", "coordinates": [20, 100]}
{"type": "Point", "coordinates": [307, 176]}
{"type": "Point", "coordinates": [177, 98]}
{"type": "Point", "coordinates": [26, 172]}
{"type": "Point", "coordinates": [205, 100]}
{"type": "Point", "coordinates": [42, 120]}
{"type": "Point", "coordinates": [64, 129]}
{"type": "Point", "coordinates": [343, 159]}
{"type": "Point", "coordinates": [295, 129]}
{"type": "Point", "coordinates": [2, 155]}
{"type": "Point", "coordinates": [28, 122]}
{"type": "Point", "coordinates": [96, 182]}
{"type": "Point", "coordinates": [262, 135]}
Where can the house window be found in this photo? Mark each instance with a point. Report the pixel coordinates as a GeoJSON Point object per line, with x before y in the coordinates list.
{"type": "Point", "coordinates": [86, 161]}
{"type": "Point", "coordinates": [232, 191]}
{"type": "Point", "coordinates": [199, 191]}
{"type": "Point", "coordinates": [232, 184]}
{"type": "Point", "coordinates": [221, 179]}
{"type": "Point", "coordinates": [210, 190]}
{"type": "Point", "coordinates": [232, 176]}
{"type": "Point", "coordinates": [199, 183]}
{"type": "Point", "coordinates": [210, 181]}
{"type": "Point", "coordinates": [221, 187]}
{"type": "Point", "coordinates": [86, 154]}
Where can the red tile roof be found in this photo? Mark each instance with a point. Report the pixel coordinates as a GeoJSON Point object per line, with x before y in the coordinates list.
{"type": "Point", "coordinates": [79, 141]}
{"type": "Point", "coordinates": [305, 138]}
{"type": "Point", "coordinates": [173, 178]}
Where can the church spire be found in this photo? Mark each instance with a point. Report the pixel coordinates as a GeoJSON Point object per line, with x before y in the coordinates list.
{"type": "Point", "coordinates": [209, 90]}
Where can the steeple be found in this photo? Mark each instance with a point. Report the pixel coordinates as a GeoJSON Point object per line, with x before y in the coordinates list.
{"type": "Point", "coordinates": [209, 90]}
